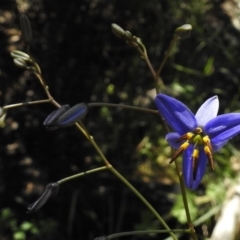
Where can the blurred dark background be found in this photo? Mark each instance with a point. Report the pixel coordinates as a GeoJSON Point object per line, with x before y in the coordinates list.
{"type": "Point", "coordinates": [82, 61]}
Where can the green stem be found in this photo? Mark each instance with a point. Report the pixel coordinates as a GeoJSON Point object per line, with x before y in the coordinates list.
{"type": "Point", "coordinates": [131, 187]}
{"type": "Point", "coordinates": [46, 89]}
{"type": "Point", "coordinates": [25, 104]}
{"type": "Point", "coordinates": [122, 106]}
{"type": "Point", "coordinates": [122, 234]}
{"type": "Point", "coordinates": [82, 174]}
{"type": "Point", "coordinates": [185, 203]}
{"type": "Point", "coordinates": [156, 78]}
{"type": "Point", "coordinates": [158, 81]}
{"type": "Point", "coordinates": [144, 201]}
{"type": "Point", "coordinates": [144, 55]}
{"type": "Point", "coordinates": [124, 180]}
{"type": "Point", "coordinates": [82, 128]}
{"type": "Point", "coordinates": [173, 42]}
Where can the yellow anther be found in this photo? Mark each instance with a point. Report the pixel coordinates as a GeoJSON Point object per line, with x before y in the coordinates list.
{"type": "Point", "coordinates": [195, 156]}
{"type": "Point", "coordinates": [183, 147]}
{"type": "Point", "coordinates": [207, 141]}
{"type": "Point", "coordinates": [197, 139]}
{"type": "Point", "coordinates": [208, 152]}
{"type": "Point", "coordinates": [186, 136]}
{"type": "Point", "coordinates": [195, 153]}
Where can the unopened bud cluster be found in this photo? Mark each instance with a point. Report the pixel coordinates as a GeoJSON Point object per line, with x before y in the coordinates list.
{"type": "Point", "coordinates": [23, 60]}
{"type": "Point", "coordinates": [119, 32]}
{"type": "Point", "coordinates": [65, 116]}
{"type": "Point", "coordinates": [127, 36]}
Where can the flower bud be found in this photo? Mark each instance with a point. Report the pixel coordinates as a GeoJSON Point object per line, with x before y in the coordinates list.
{"type": "Point", "coordinates": [183, 31]}
{"type": "Point", "coordinates": [19, 62]}
{"type": "Point", "coordinates": [128, 36]}
{"type": "Point", "coordinates": [51, 190]}
{"type": "Point", "coordinates": [50, 121]}
{"type": "Point", "coordinates": [118, 31]}
{"type": "Point", "coordinates": [26, 28]}
{"type": "Point", "coordinates": [20, 54]}
{"type": "Point", "coordinates": [73, 115]}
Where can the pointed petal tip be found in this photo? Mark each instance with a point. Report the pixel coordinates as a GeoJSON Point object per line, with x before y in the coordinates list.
{"type": "Point", "coordinates": [223, 127]}
{"type": "Point", "coordinates": [207, 111]}
{"type": "Point", "coordinates": [177, 115]}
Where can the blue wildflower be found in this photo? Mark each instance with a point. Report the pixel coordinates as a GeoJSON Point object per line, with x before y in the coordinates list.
{"type": "Point", "coordinates": [197, 137]}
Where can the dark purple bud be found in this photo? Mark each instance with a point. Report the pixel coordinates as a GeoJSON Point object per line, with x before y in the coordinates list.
{"type": "Point", "coordinates": [51, 190]}
{"type": "Point", "coordinates": [50, 121]}
{"type": "Point", "coordinates": [73, 115]}
{"type": "Point", "coordinates": [26, 28]}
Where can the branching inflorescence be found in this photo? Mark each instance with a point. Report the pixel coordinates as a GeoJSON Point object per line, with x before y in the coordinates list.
{"type": "Point", "coordinates": [196, 136]}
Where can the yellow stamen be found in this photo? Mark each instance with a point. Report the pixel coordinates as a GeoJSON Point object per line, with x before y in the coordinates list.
{"type": "Point", "coordinates": [186, 136]}
{"type": "Point", "coordinates": [208, 152]}
{"type": "Point", "coordinates": [195, 157]}
{"type": "Point", "coordinates": [183, 147]}
{"type": "Point", "coordinates": [195, 153]}
{"type": "Point", "coordinates": [199, 141]}
{"type": "Point", "coordinates": [207, 141]}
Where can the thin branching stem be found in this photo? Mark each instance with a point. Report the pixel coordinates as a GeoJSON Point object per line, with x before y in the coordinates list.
{"type": "Point", "coordinates": [185, 202]}
{"type": "Point", "coordinates": [132, 233]}
{"type": "Point", "coordinates": [82, 174]}
{"type": "Point", "coordinates": [156, 77]}
{"type": "Point", "coordinates": [15, 105]}
{"type": "Point", "coordinates": [122, 106]}
{"type": "Point", "coordinates": [84, 131]}
{"type": "Point", "coordinates": [173, 42]}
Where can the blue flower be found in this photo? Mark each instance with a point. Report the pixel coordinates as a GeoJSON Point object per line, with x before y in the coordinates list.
{"type": "Point", "coordinates": [197, 137]}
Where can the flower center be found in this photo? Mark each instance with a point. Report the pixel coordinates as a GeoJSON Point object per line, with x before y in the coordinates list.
{"type": "Point", "coordinates": [199, 140]}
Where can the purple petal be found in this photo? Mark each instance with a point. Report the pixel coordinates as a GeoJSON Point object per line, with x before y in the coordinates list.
{"type": "Point", "coordinates": [187, 167]}
{"type": "Point", "coordinates": [176, 114]}
{"type": "Point", "coordinates": [172, 139]}
{"type": "Point", "coordinates": [223, 127]}
{"type": "Point", "coordinates": [216, 145]}
{"type": "Point", "coordinates": [74, 114]}
{"type": "Point", "coordinates": [54, 116]}
{"type": "Point", "coordinates": [207, 111]}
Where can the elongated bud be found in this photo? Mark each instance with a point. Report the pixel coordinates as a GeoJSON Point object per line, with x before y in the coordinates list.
{"type": "Point", "coordinates": [128, 36]}
{"type": "Point", "coordinates": [25, 28]}
{"type": "Point", "coordinates": [19, 62]}
{"type": "Point", "coordinates": [118, 31]}
{"type": "Point", "coordinates": [73, 115]}
{"type": "Point", "coordinates": [20, 54]}
{"type": "Point", "coordinates": [184, 31]}
{"type": "Point", "coordinates": [51, 190]}
{"type": "Point", "coordinates": [50, 121]}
